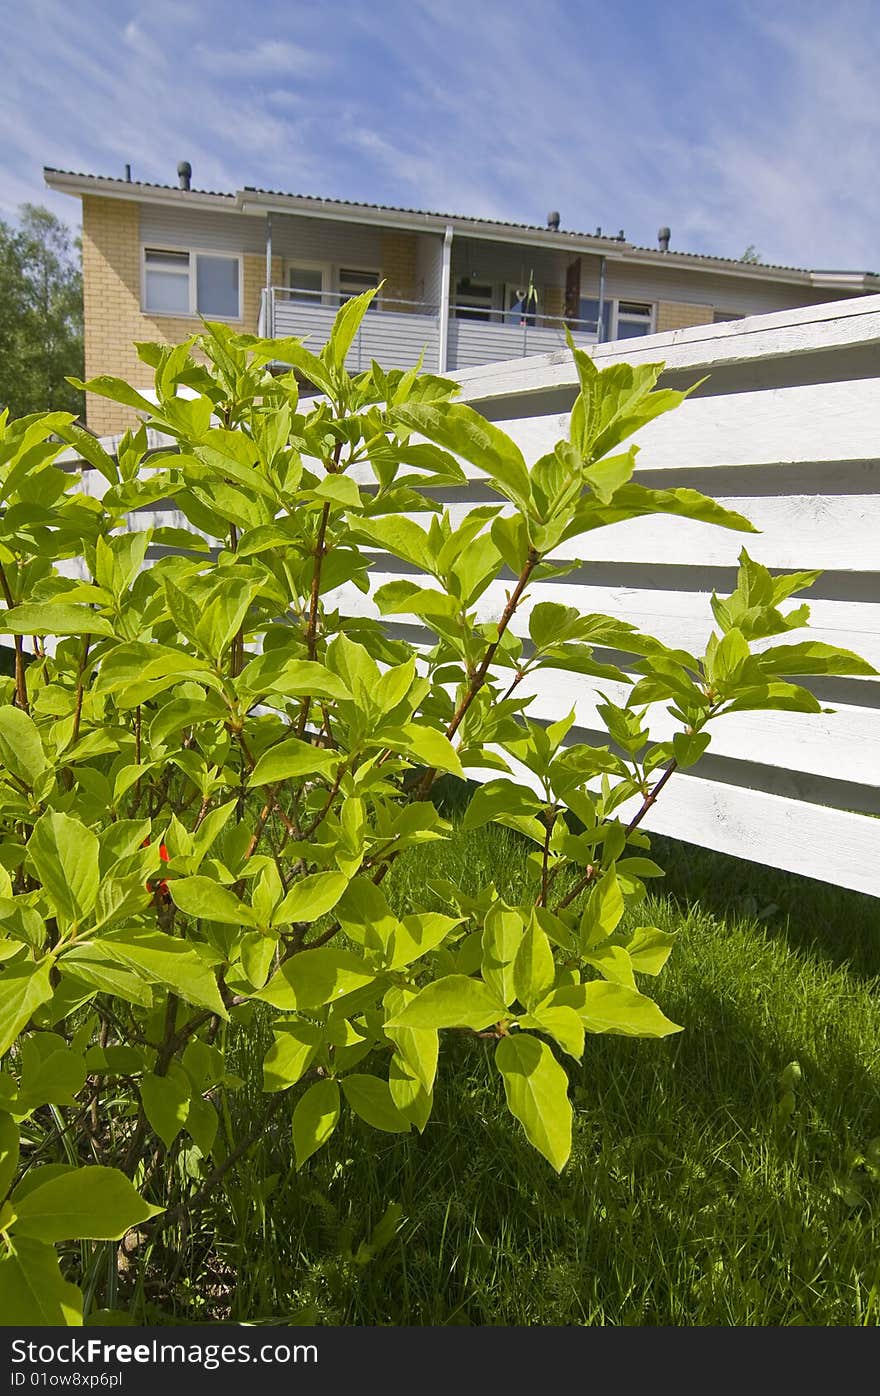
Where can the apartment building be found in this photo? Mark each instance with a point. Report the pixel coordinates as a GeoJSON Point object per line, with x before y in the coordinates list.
{"type": "Point", "coordinates": [460, 291]}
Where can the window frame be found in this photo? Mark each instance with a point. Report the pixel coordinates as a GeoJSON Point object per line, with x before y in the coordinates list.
{"type": "Point", "coordinates": [192, 278]}
{"type": "Point", "coordinates": [338, 292]}
{"type": "Point", "coordinates": [305, 264]}
{"type": "Point", "coordinates": [650, 321]}
{"type": "Point", "coordinates": [476, 309]}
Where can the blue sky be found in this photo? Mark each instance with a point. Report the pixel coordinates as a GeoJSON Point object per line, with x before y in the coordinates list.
{"type": "Point", "coordinates": [733, 121]}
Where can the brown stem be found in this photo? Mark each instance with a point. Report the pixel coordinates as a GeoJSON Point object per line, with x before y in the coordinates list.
{"type": "Point", "coordinates": [175, 1213]}
{"type": "Point", "coordinates": [479, 676]}
{"type": "Point", "coordinates": [80, 689]}
{"type": "Point", "coordinates": [21, 697]}
{"type": "Point", "coordinates": [634, 823]}
{"type": "Point", "coordinates": [314, 599]}
{"type": "Point", "coordinates": [549, 821]}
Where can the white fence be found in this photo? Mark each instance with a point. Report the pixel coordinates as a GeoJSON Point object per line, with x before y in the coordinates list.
{"type": "Point", "coordinates": [786, 430]}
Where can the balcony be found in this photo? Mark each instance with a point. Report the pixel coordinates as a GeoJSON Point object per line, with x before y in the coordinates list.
{"type": "Point", "coordinates": [396, 332]}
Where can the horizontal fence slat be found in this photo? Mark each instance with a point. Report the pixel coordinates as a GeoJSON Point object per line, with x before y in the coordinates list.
{"type": "Point", "coordinates": [833, 422]}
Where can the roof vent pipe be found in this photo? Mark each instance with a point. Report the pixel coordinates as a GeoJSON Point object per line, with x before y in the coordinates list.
{"type": "Point", "coordinates": [128, 174]}
{"type": "Point", "coordinates": [184, 174]}
{"type": "Point", "coordinates": [553, 221]}
{"type": "Point", "coordinates": [663, 237]}
{"type": "Point", "coordinates": [621, 237]}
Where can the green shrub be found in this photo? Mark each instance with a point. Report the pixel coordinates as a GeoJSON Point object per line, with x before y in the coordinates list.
{"type": "Point", "coordinates": [208, 768]}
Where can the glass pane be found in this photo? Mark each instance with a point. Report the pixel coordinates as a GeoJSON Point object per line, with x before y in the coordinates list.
{"type": "Point", "coordinates": [588, 310]}
{"type": "Point", "coordinates": [217, 286]}
{"type": "Point", "coordinates": [634, 308]}
{"type": "Point", "coordinates": [631, 329]}
{"type": "Point", "coordinates": [167, 292]}
{"type": "Point", "coordinates": [354, 283]}
{"type": "Point", "coordinates": [357, 281]}
{"type": "Point", "coordinates": [306, 284]}
{"type": "Point", "coordinates": [167, 261]}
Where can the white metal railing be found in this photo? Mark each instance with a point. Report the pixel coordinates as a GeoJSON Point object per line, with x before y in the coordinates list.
{"type": "Point", "coordinates": [398, 331]}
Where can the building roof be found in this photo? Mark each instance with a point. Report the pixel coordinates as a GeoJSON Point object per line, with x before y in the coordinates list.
{"type": "Point", "coordinates": [252, 200]}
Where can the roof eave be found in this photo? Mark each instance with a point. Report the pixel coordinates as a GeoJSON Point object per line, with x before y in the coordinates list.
{"type": "Point", "coordinates": [78, 185]}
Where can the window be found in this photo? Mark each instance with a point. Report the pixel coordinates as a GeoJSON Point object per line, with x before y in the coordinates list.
{"type": "Point", "coordinates": [353, 283]}
{"type": "Point", "coordinates": [720, 316]}
{"type": "Point", "coordinates": [588, 311]}
{"type": "Point", "coordinates": [473, 299]}
{"type": "Point", "coordinates": [192, 283]}
{"type": "Point", "coordinates": [166, 282]}
{"type": "Point", "coordinates": [306, 284]}
{"type": "Point", "coordinates": [633, 319]}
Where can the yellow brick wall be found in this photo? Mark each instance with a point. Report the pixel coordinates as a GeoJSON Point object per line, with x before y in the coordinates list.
{"type": "Point", "coordinates": [681, 315]}
{"type": "Point", "coordinates": [399, 268]}
{"type": "Point", "coordinates": [112, 305]}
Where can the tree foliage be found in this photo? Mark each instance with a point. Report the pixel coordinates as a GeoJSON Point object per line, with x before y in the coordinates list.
{"type": "Point", "coordinates": [41, 320]}
{"type": "Point", "coordinates": [209, 764]}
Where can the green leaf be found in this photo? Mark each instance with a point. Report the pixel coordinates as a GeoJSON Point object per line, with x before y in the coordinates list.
{"type": "Point", "coordinates": [292, 758]}
{"type": "Point", "coordinates": [166, 1105]}
{"type": "Point", "coordinates": [33, 1292]}
{"type": "Point", "coordinates": [649, 949]}
{"type": "Point", "coordinates": [415, 935]}
{"type": "Point", "coordinates": [202, 896]}
{"type": "Point", "coordinates": [456, 1001]}
{"type": "Point", "coordinates": [314, 978]}
{"type": "Point", "coordinates": [536, 1088]}
{"type": "Point", "coordinates": [338, 489]}
{"type": "Point", "coordinates": [534, 970]}
{"type": "Point", "coordinates": [65, 855]}
{"type": "Point", "coordinates": [21, 750]}
{"type": "Point", "coordinates": [182, 966]}
{"type": "Point", "coordinates": [117, 390]}
{"type": "Point", "coordinates": [560, 1023]}
{"type": "Point", "coordinates": [503, 931]}
{"type": "Point", "coordinates": [603, 911]}
{"type": "Point", "coordinates": [9, 1146]}
{"type": "Point", "coordinates": [499, 797]}
{"type": "Point", "coordinates": [345, 326]}
{"type": "Point", "coordinates": [314, 1119]}
{"type": "Point", "coordinates": [90, 1204]}
{"type": "Point", "coordinates": [688, 747]}
{"type": "Point", "coordinates": [459, 429]}
{"type": "Point", "coordinates": [419, 1047]}
{"type": "Point", "coordinates": [614, 1008]}
{"type": "Point", "coordinates": [400, 536]}
{"type": "Point", "coordinates": [53, 618]}
{"type": "Point", "coordinates": [23, 988]}
{"type": "Point", "coordinates": [310, 898]}
{"type": "Point", "coordinates": [371, 1098]}
{"type": "Point", "coordinates": [290, 1055]}
{"type": "Point", "coordinates": [427, 745]}
{"type": "Point", "coordinates": [813, 657]}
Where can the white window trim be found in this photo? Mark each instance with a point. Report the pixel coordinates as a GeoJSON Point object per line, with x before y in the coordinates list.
{"type": "Point", "coordinates": [362, 271]}
{"type": "Point", "coordinates": [192, 252]}
{"type": "Point", "coordinates": [305, 264]}
{"type": "Point", "coordinates": [634, 319]}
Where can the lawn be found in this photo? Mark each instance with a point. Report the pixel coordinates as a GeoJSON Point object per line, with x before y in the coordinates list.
{"type": "Point", "coordinates": [711, 1181]}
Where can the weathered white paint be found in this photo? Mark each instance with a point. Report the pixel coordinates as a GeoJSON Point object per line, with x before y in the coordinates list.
{"type": "Point", "coordinates": [832, 422]}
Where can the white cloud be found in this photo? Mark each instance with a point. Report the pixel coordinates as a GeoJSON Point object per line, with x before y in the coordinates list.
{"type": "Point", "coordinates": [752, 124]}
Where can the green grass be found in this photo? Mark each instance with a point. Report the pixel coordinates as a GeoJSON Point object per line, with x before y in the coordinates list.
{"type": "Point", "coordinates": [690, 1197]}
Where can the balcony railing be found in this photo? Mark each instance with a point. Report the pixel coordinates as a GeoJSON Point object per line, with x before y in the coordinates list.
{"type": "Point", "coordinates": [396, 332]}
